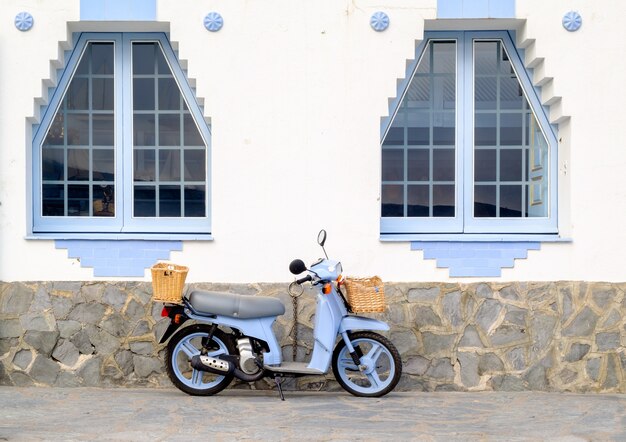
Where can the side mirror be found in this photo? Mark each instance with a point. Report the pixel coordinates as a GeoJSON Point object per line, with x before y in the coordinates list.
{"type": "Point", "coordinates": [297, 266]}
{"type": "Point", "coordinates": [321, 237]}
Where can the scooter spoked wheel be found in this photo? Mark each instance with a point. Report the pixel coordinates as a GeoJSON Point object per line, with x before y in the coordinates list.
{"type": "Point", "coordinates": [188, 343]}
{"type": "Point", "coordinates": [380, 369]}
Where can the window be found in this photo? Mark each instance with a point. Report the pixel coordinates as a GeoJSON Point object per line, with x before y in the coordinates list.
{"type": "Point", "coordinates": [469, 148]}
{"type": "Point", "coordinates": [123, 146]}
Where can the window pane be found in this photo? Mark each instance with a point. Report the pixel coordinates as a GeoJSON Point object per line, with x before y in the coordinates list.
{"type": "Point", "coordinates": [169, 165]}
{"type": "Point", "coordinates": [103, 164]}
{"type": "Point", "coordinates": [143, 94]}
{"type": "Point", "coordinates": [485, 133]}
{"type": "Point", "coordinates": [103, 93]}
{"type": "Point", "coordinates": [486, 93]}
{"type": "Point", "coordinates": [392, 200]}
{"type": "Point", "coordinates": [443, 201]}
{"type": "Point", "coordinates": [78, 129]}
{"type": "Point", "coordinates": [443, 129]}
{"type": "Point", "coordinates": [485, 201]}
{"type": "Point", "coordinates": [419, 164]}
{"type": "Point", "coordinates": [169, 201]}
{"type": "Point", "coordinates": [102, 61]}
{"type": "Point", "coordinates": [103, 130]}
{"type": "Point", "coordinates": [444, 57]}
{"type": "Point", "coordinates": [418, 130]}
{"type": "Point", "coordinates": [143, 58]}
{"type": "Point", "coordinates": [394, 137]}
{"type": "Point", "coordinates": [192, 134]}
{"type": "Point", "coordinates": [486, 54]}
{"type": "Point", "coordinates": [418, 93]}
{"type": "Point", "coordinates": [78, 200]}
{"type": "Point", "coordinates": [485, 165]}
{"type": "Point", "coordinates": [443, 165]}
{"type": "Point", "coordinates": [393, 165]}
{"type": "Point", "coordinates": [511, 201]}
{"type": "Point", "coordinates": [144, 201]}
{"type": "Point", "coordinates": [195, 205]}
{"type": "Point", "coordinates": [56, 133]}
{"type": "Point", "coordinates": [53, 197]}
{"type": "Point", "coordinates": [511, 129]}
{"type": "Point", "coordinates": [144, 165]}
{"type": "Point", "coordinates": [511, 165]}
{"type": "Point", "coordinates": [144, 130]}
{"type": "Point", "coordinates": [195, 165]}
{"type": "Point", "coordinates": [78, 94]}
{"type": "Point", "coordinates": [169, 96]}
{"type": "Point", "coordinates": [77, 164]}
{"type": "Point", "coordinates": [418, 201]}
{"type": "Point", "coordinates": [169, 130]}
{"type": "Point", "coordinates": [103, 200]}
{"type": "Point", "coordinates": [53, 164]}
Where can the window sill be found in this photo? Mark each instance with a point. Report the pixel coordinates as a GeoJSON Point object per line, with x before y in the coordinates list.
{"type": "Point", "coordinates": [473, 237]}
{"type": "Point", "coordinates": [124, 236]}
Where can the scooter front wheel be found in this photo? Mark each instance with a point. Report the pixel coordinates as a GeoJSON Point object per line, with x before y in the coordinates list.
{"type": "Point", "coordinates": [380, 367]}
{"type": "Point", "coordinates": [187, 344]}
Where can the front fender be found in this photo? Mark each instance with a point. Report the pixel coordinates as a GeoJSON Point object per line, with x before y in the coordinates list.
{"type": "Point", "coordinates": [349, 323]}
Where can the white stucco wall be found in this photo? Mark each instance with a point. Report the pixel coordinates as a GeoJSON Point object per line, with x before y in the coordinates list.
{"type": "Point", "coordinates": [295, 91]}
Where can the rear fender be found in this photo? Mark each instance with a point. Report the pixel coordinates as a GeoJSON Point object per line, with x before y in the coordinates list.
{"type": "Point", "coordinates": [178, 318]}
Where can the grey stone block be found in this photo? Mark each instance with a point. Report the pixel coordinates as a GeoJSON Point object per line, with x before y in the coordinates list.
{"type": "Point", "coordinates": [124, 360]}
{"type": "Point", "coordinates": [41, 321]}
{"type": "Point", "coordinates": [142, 328]}
{"type": "Point", "coordinates": [489, 363]}
{"type": "Point", "coordinates": [602, 297]}
{"type": "Point", "coordinates": [69, 328]}
{"type": "Point", "coordinates": [142, 347]}
{"type": "Point", "coordinates": [135, 311]}
{"type": "Point", "coordinates": [507, 383]}
{"type": "Point", "coordinates": [66, 353]}
{"type": "Point", "coordinates": [91, 313]}
{"type": "Point", "coordinates": [441, 369]}
{"type": "Point", "coordinates": [61, 306]}
{"type": "Point", "coordinates": [612, 369]}
{"type": "Point", "coordinates": [89, 373]}
{"type": "Point", "coordinates": [41, 301]}
{"type": "Point", "coordinates": [6, 344]}
{"type": "Point", "coordinates": [423, 294]}
{"type": "Point", "coordinates": [21, 379]}
{"type": "Point", "coordinates": [22, 359]}
{"type": "Point", "coordinates": [509, 292]}
{"type": "Point", "coordinates": [517, 358]}
{"type": "Point", "coordinates": [435, 343]}
{"type": "Point", "coordinates": [484, 291]}
{"type": "Point", "coordinates": [488, 313]}
{"type": "Point", "coordinates": [67, 380]}
{"type": "Point", "coordinates": [469, 368]}
{"type": "Point", "coordinates": [508, 334]}
{"type": "Point", "coordinates": [44, 370]}
{"type": "Point", "coordinates": [115, 324]}
{"type": "Point", "coordinates": [593, 368]}
{"type": "Point", "coordinates": [536, 378]}
{"type": "Point", "coordinates": [10, 328]}
{"type": "Point", "coordinates": [5, 379]}
{"type": "Point", "coordinates": [612, 319]}
{"type": "Point", "coordinates": [114, 297]}
{"type": "Point", "coordinates": [583, 324]}
{"type": "Point", "coordinates": [608, 341]}
{"type": "Point", "coordinates": [425, 316]}
{"type": "Point", "coordinates": [104, 342]}
{"type": "Point", "coordinates": [516, 315]}
{"type": "Point", "coordinates": [416, 365]}
{"type": "Point", "coordinates": [542, 329]}
{"type": "Point", "coordinates": [145, 366]}
{"type": "Point", "coordinates": [470, 338]}
{"type": "Point", "coordinates": [42, 341]}
{"type": "Point", "coordinates": [82, 342]}
{"type": "Point", "coordinates": [451, 304]}
{"type": "Point", "coordinates": [16, 299]}
{"type": "Point", "coordinates": [577, 351]}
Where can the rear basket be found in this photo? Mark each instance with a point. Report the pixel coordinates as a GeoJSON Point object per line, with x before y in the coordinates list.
{"type": "Point", "coordinates": [168, 281]}
{"type": "Point", "coordinates": [366, 295]}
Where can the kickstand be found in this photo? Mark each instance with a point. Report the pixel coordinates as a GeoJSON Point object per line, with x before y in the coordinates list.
{"type": "Point", "coordinates": [278, 380]}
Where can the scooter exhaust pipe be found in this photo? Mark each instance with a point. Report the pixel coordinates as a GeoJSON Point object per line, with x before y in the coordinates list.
{"type": "Point", "coordinates": [222, 367]}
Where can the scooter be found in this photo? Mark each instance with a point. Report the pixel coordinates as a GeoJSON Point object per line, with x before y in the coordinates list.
{"type": "Point", "coordinates": [232, 338]}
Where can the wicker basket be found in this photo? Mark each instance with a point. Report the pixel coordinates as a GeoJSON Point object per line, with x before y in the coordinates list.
{"type": "Point", "coordinates": [366, 295]}
{"type": "Point", "coordinates": [168, 281]}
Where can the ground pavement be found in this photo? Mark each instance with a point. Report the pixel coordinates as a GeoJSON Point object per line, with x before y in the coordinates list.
{"type": "Point", "coordinates": [167, 414]}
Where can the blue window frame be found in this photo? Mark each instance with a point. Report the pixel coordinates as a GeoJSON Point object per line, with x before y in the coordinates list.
{"type": "Point", "coordinates": [468, 148]}
{"type": "Point", "coordinates": [123, 146]}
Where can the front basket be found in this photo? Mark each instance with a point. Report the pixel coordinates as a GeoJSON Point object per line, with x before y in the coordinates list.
{"type": "Point", "coordinates": [366, 295]}
{"type": "Point", "coordinates": [168, 281]}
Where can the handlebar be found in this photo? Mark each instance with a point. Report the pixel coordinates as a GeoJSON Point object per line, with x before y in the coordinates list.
{"type": "Point", "coordinates": [303, 280]}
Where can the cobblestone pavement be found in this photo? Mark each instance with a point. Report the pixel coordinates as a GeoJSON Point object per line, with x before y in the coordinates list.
{"type": "Point", "coordinates": [167, 414]}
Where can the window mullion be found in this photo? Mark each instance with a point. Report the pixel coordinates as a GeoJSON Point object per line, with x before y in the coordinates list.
{"type": "Point", "coordinates": [124, 122]}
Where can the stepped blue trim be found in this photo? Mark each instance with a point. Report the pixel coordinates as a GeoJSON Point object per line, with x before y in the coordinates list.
{"type": "Point", "coordinates": [475, 259]}
{"type": "Point", "coordinates": [140, 10]}
{"type": "Point", "coordinates": [118, 258]}
{"type": "Point", "coordinates": [475, 8]}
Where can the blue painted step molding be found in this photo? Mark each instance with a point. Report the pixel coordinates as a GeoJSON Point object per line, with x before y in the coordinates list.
{"type": "Point", "coordinates": [118, 258]}
{"type": "Point", "coordinates": [475, 259]}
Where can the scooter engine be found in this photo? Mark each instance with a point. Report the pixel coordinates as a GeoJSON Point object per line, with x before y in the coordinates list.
{"type": "Point", "coordinates": [247, 358]}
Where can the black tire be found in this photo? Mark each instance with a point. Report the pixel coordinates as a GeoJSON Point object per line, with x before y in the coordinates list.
{"type": "Point", "coordinates": [383, 372]}
{"type": "Point", "coordinates": [178, 358]}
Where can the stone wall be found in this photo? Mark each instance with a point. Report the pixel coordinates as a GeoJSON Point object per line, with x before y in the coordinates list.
{"type": "Point", "coordinates": [556, 336]}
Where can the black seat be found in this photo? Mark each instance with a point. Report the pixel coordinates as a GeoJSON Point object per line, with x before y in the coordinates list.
{"type": "Point", "coordinates": [234, 305]}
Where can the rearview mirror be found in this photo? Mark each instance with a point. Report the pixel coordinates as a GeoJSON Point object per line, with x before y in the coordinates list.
{"type": "Point", "coordinates": [321, 237]}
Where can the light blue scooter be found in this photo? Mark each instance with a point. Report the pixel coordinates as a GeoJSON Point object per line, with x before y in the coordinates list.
{"type": "Point", "coordinates": [233, 337]}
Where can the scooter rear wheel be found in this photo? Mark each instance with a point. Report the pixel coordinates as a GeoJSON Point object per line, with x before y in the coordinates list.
{"type": "Point", "coordinates": [381, 365]}
{"type": "Point", "coordinates": [188, 343]}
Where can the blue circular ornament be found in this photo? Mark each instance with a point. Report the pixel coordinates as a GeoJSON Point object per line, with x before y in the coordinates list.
{"type": "Point", "coordinates": [572, 21]}
{"type": "Point", "coordinates": [213, 21]}
{"type": "Point", "coordinates": [24, 21]}
{"type": "Point", "coordinates": [379, 21]}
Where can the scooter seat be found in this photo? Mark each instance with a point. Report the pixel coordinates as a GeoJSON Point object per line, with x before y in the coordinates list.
{"type": "Point", "coordinates": [234, 305]}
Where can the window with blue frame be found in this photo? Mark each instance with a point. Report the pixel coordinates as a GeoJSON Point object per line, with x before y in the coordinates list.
{"type": "Point", "coordinates": [468, 147]}
{"type": "Point", "coordinates": [123, 146]}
